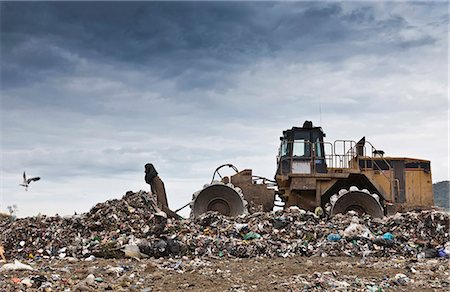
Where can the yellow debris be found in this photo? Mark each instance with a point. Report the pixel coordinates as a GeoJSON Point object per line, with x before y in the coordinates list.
{"type": "Point", "coordinates": [2, 253]}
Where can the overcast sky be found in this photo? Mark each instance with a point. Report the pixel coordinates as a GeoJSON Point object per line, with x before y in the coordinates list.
{"type": "Point", "coordinates": [90, 92]}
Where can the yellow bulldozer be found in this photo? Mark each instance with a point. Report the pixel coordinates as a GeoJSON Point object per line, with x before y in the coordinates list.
{"type": "Point", "coordinates": [336, 176]}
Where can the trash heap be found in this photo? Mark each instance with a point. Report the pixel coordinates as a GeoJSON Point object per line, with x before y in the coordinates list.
{"type": "Point", "coordinates": [132, 227]}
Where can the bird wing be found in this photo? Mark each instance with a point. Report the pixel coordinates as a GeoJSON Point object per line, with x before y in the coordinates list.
{"type": "Point", "coordinates": [33, 179]}
{"type": "Point", "coordinates": [24, 178]}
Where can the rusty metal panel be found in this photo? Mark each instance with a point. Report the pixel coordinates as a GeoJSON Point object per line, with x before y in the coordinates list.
{"type": "Point", "coordinates": [303, 183]}
{"type": "Point", "coordinates": [301, 166]}
{"type": "Point", "coordinates": [399, 174]}
{"type": "Point", "coordinates": [419, 190]}
{"type": "Point", "coordinates": [257, 194]}
{"type": "Point", "coordinates": [303, 199]}
{"type": "Point", "coordinates": [381, 181]}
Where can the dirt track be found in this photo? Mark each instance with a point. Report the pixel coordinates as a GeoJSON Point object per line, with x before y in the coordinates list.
{"type": "Point", "coordinates": [256, 274]}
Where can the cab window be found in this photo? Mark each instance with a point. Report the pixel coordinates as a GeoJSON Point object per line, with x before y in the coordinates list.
{"type": "Point", "coordinates": [283, 148]}
{"type": "Point", "coordinates": [318, 148]}
{"type": "Point", "coordinates": [299, 147]}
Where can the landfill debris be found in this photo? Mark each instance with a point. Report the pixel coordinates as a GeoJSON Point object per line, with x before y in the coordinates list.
{"type": "Point", "coordinates": [16, 266]}
{"type": "Point", "coordinates": [251, 235]}
{"type": "Point", "coordinates": [447, 248]}
{"type": "Point", "coordinates": [334, 237]}
{"type": "Point", "coordinates": [2, 253]}
{"type": "Point", "coordinates": [27, 282]}
{"type": "Point", "coordinates": [401, 279]}
{"type": "Point", "coordinates": [388, 236]}
{"type": "Point", "coordinates": [132, 251]}
{"type": "Point", "coordinates": [90, 280]}
{"type": "Point", "coordinates": [357, 230]}
{"type": "Point", "coordinates": [120, 227]}
{"type": "Point", "coordinates": [442, 253]}
{"type": "Point", "coordinates": [319, 211]}
{"type": "Point", "coordinates": [428, 253]}
{"type": "Point", "coordinates": [91, 251]}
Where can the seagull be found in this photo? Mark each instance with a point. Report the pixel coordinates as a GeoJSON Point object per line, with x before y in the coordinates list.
{"type": "Point", "coordinates": [26, 182]}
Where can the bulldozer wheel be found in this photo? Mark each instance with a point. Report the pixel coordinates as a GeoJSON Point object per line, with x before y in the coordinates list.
{"type": "Point", "coordinates": [220, 206]}
{"type": "Point", "coordinates": [223, 198]}
{"type": "Point", "coordinates": [357, 200]}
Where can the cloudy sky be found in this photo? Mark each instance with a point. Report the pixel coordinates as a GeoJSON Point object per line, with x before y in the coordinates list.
{"type": "Point", "coordinates": [90, 92]}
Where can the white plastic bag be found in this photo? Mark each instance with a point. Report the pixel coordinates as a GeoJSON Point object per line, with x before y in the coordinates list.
{"type": "Point", "coordinates": [15, 267]}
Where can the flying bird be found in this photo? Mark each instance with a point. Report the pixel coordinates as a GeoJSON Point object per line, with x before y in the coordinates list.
{"type": "Point", "coordinates": [26, 182]}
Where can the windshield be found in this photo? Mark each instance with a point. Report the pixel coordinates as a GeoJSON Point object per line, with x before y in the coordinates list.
{"type": "Point", "coordinates": [318, 148]}
{"type": "Point", "coordinates": [299, 148]}
{"type": "Point", "coordinates": [283, 148]}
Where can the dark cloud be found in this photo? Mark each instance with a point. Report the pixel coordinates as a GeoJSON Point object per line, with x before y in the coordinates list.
{"type": "Point", "coordinates": [197, 43]}
{"type": "Point", "coordinates": [361, 15]}
{"type": "Point", "coordinates": [91, 91]}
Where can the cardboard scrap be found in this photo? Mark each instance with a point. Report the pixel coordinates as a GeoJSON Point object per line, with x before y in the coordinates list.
{"type": "Point", "coordinates": [2, 253]}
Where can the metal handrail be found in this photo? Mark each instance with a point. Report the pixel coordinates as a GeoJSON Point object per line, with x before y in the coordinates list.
{"type": "Point", "coordinates": [397, 184]}
{"type": "Point", "coordinates": [332, 159]}
{"type": "Point", "coordinates": [347, 155]}
{"type": "Point", "coordinates": [336, 160]}
{"type": "Point", "coordinates": [384, 160]}
{"type": "Point", "coordinates": [390, 179]}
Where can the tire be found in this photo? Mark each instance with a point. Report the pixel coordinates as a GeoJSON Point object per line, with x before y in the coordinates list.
{"type": "Point", "coordinates": [223, 198]}
{"type": "Point", "coordinates": [357, 200]}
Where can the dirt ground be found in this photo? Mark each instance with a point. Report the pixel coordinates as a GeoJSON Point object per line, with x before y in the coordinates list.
{"type": "Point", "coordinates": [219, 274]}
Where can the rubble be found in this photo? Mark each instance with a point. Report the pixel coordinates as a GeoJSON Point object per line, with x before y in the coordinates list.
{"type": "Point", "coordinates": [232, 274]}
{"type": "Point", "coordinates": [2, 254]}
{"type": "Point", "coordinates": [117, 228]}
{"type": "Point", "coordinates": [141, 246]}
{"type": "Point", "coordinates": [16, 266]}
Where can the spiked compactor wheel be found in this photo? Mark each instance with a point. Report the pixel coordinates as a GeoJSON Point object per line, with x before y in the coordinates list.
{"type": "Point", "coordinates": [223, 198]}
{"type": "Point", "coordinates": [354, 199]}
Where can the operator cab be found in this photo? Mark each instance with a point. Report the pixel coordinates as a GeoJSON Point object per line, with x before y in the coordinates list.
{"type": "Point", "coordinates": [302, 151]}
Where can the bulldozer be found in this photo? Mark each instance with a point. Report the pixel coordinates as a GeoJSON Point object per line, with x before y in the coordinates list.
{"type": "Point", "coordinates": [335, 177]}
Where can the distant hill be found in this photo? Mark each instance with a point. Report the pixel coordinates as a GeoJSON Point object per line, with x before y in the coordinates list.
{"type": "Point", "coordinates": [441, 192]}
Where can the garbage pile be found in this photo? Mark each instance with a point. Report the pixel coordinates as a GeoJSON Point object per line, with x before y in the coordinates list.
{"type": "Point", "coordinates": [296, 232]}
{"type": "Point", "coordinates": [132, 227]}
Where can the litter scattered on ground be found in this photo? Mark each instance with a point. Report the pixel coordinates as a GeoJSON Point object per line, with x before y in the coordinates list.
{"type": "Point", "coordinates": [232, 274]}
{"type": "Point", "coordinates": [118, 229]}
{"type": "Point", "coordinates": [128, 227]}
{"type": "Point", "coordinates": [16, 266]}
{"type": "Point", "coordinates": [2, 254]}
